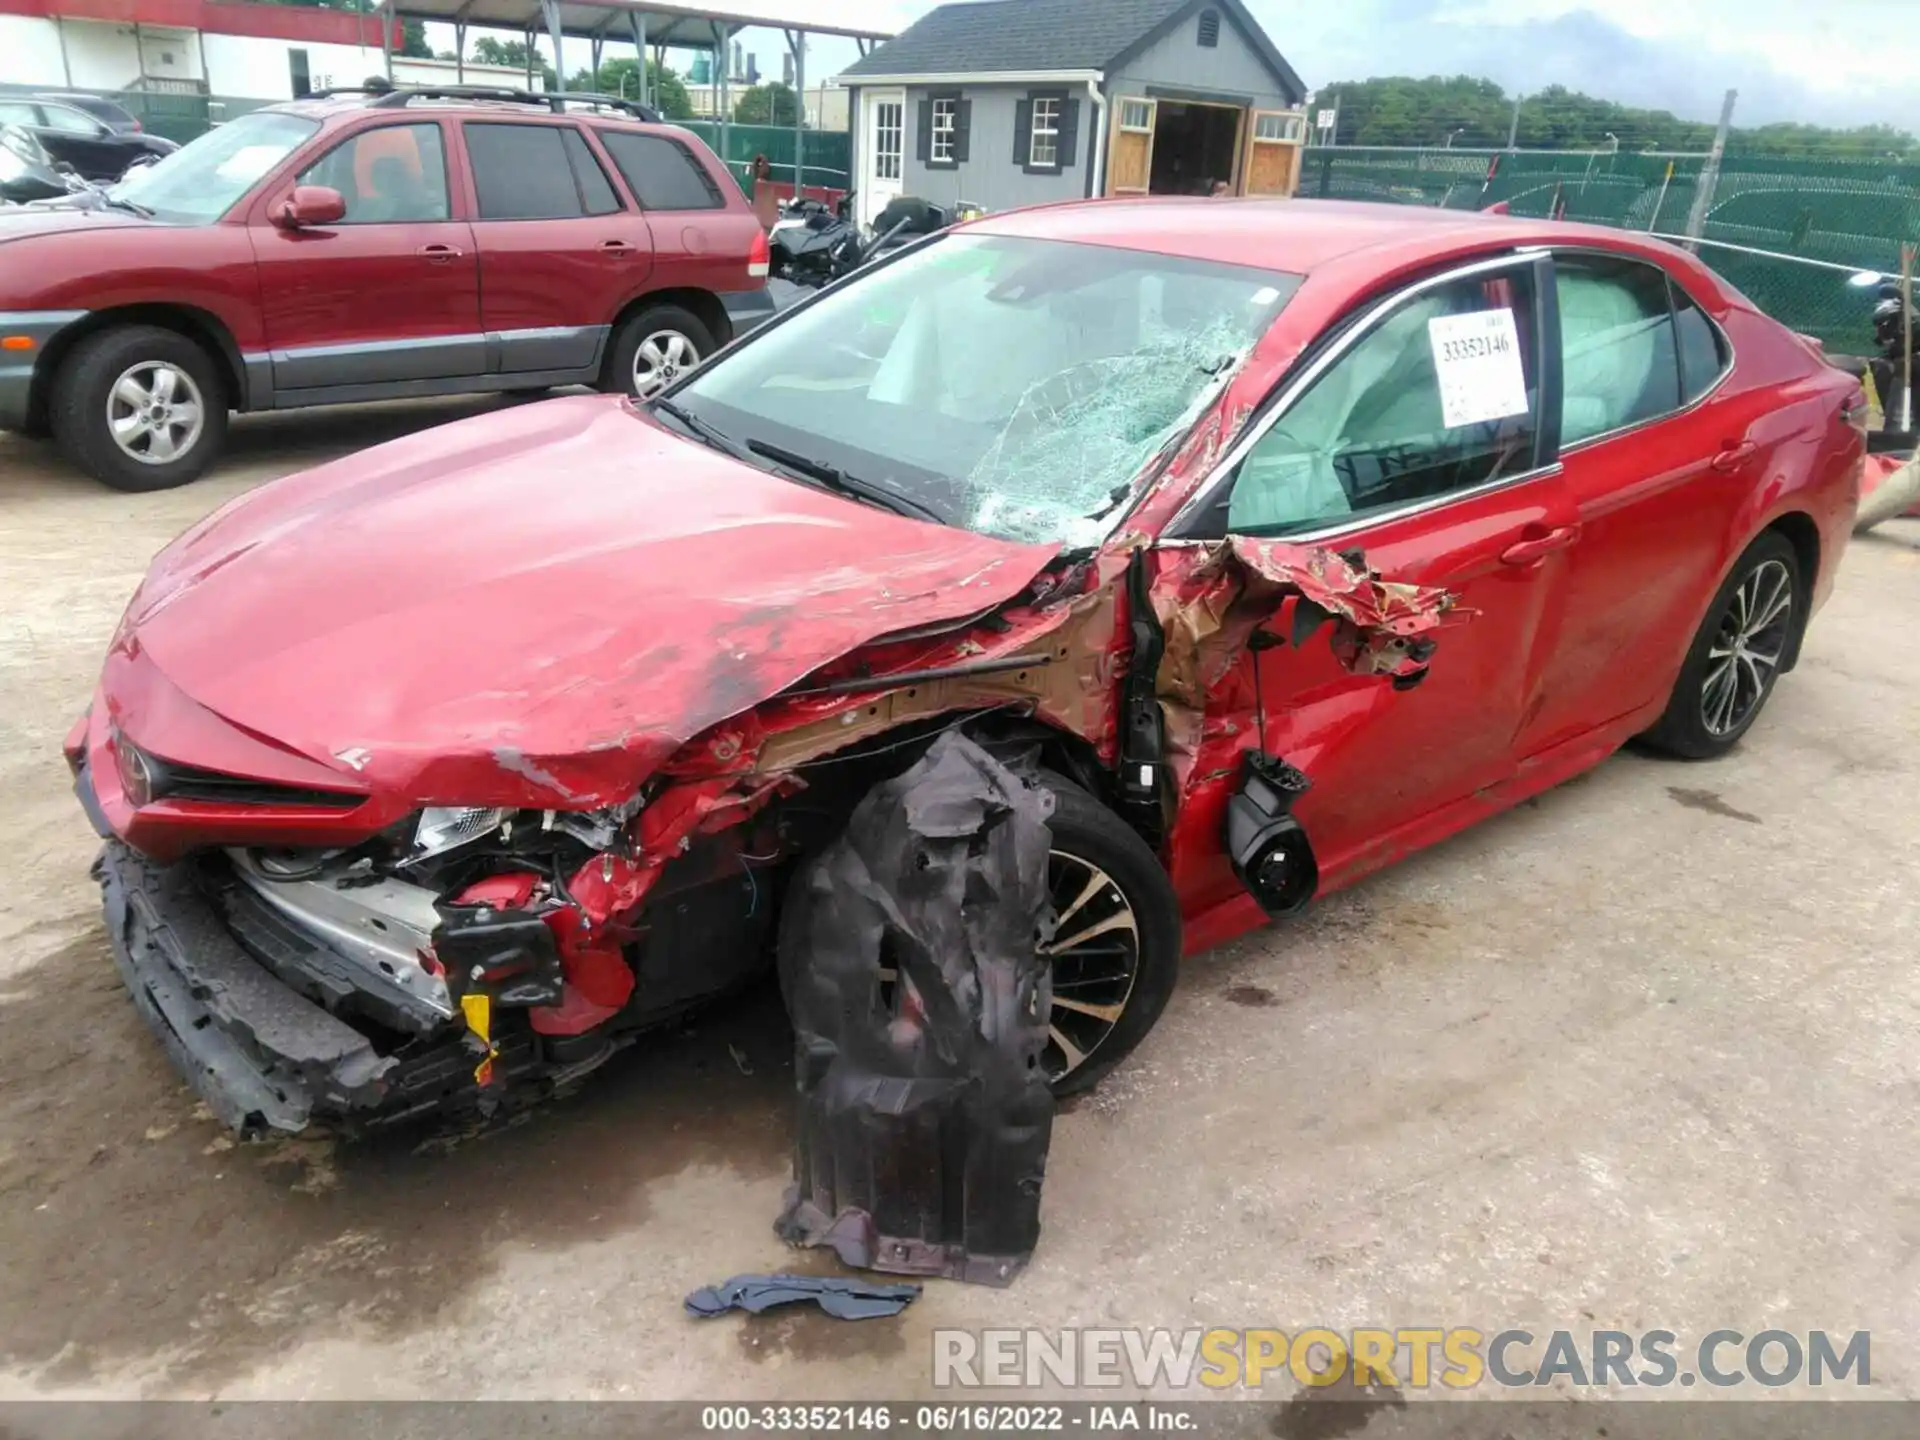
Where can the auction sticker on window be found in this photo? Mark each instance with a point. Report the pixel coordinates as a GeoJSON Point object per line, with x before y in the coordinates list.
{"type": "Point", "coordinates": [1477, 357]}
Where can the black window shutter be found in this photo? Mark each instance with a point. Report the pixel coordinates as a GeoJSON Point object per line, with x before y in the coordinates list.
{"type": "Point", "coordinates": [1069, 128]}
{"type": "Point", "coordinates": [923, 141]}
{"type": "Point", "coordinates": [962, 128]}
{"type": "Point", "coordinates": [1022, 132]}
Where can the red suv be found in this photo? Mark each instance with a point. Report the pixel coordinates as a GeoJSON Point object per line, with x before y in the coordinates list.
{"type": "Point", "coordinates": [355, 247]}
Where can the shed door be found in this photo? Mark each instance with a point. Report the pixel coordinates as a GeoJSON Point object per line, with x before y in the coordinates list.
{"type": "Point", "coordinates": [1273, 153]}
{"type": "Point", "coordinates": [1130, 152]}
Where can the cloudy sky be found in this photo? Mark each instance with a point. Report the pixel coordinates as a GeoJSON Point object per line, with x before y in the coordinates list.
{"type": "Point", "coordinates": [1834, 62]}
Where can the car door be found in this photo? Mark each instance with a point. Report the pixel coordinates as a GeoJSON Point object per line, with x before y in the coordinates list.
{"type": "Point", "coordinates": [1655, 468]}
{"type": "Point", "coordinates": [1420, 438]}
{"type": "Point", "coordinates": [81, 141]}
{"type": "Point", "coordinates": [389, 296]}
{"type": "Point", "coordinates": [560, 251]}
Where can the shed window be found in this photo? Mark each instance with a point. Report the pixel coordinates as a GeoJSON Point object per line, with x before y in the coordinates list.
{"type": "Point", "coordinates": [1136, 115]}
{"type": "Point", "coordinates": [946, 112]}
{"type": "Point", "coordinates": [1209, 28]}
{"type": "Point", "coordinates": [1274, 125]}
{"type": "Point", "coordinates": [1046, 132]}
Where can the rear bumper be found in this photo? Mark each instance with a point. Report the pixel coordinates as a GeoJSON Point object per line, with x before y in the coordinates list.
{"type": "Point", "coordinates": [262, 1057]}
{"type": "Point", "coordinates": [747, 309]}
{"type": "Point", "coordinates": [36, 328]}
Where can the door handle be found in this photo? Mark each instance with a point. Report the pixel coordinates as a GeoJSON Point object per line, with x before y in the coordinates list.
{"type": "Point", "coordinates": [616, 247]}
{"type": "Point", "coordinates": [1734, 456]}
{"type": "Point", "coordinates": [437, 254]}
{"type": "Point", "coordinates": [1525, 552]}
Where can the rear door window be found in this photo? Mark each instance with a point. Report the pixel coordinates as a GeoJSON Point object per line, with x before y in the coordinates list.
{"type": "Point", "coordinates": [1440, 396]}
{"type": "Point", "coordinates": [523, 172]}
{"type": "Point", "coordinates": [663, 174]}
{"type": "Point", "coordinates": [1703, 350]}
{"type": "Point", "coordinates": [70, 121]}
{"type": "Point", "coordinates": [1619, 363]}
{"type": "Point", "coordinates": [596, 190]}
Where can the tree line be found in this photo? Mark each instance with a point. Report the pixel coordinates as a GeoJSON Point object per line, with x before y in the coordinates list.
{"type": "Point", "coordinates": [1478, 114]}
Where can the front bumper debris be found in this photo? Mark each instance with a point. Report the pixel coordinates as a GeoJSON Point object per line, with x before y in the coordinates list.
{"type": "Point", "coordinates": [261, 1056]}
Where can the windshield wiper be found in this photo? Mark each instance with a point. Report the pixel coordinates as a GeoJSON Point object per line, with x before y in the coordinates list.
{"type": "Point", "coordinates": [703, 429]}
{"type": "Point", "coordinates": [834, 478]}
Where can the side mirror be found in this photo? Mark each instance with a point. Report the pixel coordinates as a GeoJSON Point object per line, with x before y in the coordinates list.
{"type": "Point", "coordinates": [311, 205]}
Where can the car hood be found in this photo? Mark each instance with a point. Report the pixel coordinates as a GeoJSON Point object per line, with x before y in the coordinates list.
{"type": "Point", "coordinates": [535, 607]}
{"type": "Point", "coordinates": [61, 217]}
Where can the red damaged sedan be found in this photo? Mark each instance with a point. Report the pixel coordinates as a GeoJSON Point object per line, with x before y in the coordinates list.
{"type": "Point", "coordinates": [1285, 538]}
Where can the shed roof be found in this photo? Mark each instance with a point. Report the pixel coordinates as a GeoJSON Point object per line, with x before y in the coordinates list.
{"type": "Point", "coordinates": [990, 36]}
{"type": "Point", "coordinates": [1017, 35]}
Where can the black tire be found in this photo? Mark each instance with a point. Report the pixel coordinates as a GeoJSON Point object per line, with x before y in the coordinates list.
{"type": "Point", "coordinates": [89, 375]}
{"type": "Point", "coordinates": [1684, 730]}
{"type": "Point", "coordinates": [617, 375]}
{"type": "Point", "coordinates": [1089, 831]}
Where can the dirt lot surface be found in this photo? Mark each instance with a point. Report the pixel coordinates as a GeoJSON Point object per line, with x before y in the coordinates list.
{"type": "Point", "coordinates": [1640, 1053]}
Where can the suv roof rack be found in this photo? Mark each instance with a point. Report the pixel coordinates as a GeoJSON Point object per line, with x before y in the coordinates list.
{"type": "Point", "coordinates": [401, 96]}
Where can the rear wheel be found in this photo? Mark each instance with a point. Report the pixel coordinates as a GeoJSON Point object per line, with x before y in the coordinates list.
{"type": "Point", "coordinates": [655, 347]}
{"type": "Point", "coordinates": [1735, 659]}
{"type": "Point", "coordinates": [139, 408]}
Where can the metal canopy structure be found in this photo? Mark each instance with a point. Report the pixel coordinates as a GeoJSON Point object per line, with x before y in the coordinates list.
{"type": "Point", "coordinates": [654, 26]}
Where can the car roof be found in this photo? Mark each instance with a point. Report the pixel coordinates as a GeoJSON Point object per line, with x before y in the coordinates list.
{"type": "Point", "coordinates": [1297, 236]}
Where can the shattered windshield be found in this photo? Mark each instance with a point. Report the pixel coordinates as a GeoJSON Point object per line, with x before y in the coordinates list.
{"type": "Point", "coordinates": [1011, 386]}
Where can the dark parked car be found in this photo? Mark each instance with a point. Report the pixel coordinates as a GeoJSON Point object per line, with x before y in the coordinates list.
{"type": "Point", "coordinates": [26, 172]}
{"type": "Point", "coordinates": [84, 141]}
{"type": "Point", "coordinates": [113, 116]}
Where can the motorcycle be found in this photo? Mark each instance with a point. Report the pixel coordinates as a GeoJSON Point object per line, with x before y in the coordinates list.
{"type": "Point", "coordinates": [815, 246]}
{"type": "Point", "coordinates": [1890, 484]}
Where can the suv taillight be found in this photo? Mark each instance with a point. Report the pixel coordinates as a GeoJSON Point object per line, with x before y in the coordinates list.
{"type": "Point", "coordinates": [760, 256]}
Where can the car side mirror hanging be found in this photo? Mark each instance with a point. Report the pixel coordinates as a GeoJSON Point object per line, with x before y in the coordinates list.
{"type": "Point", "coordinates": [1271, 853]}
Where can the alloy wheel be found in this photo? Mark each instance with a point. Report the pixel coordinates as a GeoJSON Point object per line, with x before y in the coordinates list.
{"type": "Point", "coordinates": [661, 359]}
{"type": "Point", "coordinates": [1747, 649]}
{"type": "Point", "coordinates": [155, 412]}
{"type": "Point", "coordinates": [1096, 958]}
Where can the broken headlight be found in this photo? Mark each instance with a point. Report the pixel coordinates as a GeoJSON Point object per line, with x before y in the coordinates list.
{"type": "Point", "coordinates": [444, 828]}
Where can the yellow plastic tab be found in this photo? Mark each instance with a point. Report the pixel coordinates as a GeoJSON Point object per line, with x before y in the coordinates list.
{"type": "Point", "coordinates": [479, 1012]}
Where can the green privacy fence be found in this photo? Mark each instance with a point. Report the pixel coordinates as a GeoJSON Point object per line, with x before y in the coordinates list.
{"type": "Point", "coordinates": [829, 152]}
{"type": "Point", "coordinates": [1851, 214]}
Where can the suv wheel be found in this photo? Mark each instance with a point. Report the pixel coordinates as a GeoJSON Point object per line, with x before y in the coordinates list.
{"type": "Point", "coordinates": [139, 408]}
{"type": "Point", "coordinates": [654, 348]}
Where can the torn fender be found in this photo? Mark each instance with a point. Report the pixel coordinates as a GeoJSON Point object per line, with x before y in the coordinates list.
{"type": "Point", "coordinates": [1211, 598]}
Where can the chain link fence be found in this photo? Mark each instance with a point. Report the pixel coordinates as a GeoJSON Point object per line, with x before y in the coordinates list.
{"type": "Point", "coordinates": [1846, 215]}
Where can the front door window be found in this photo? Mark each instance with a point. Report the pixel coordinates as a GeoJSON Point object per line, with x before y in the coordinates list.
{"type": "Point", "coordinates": [1440, 397]}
